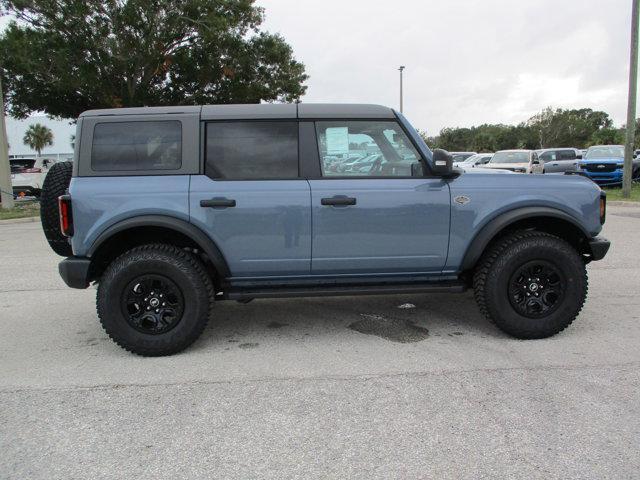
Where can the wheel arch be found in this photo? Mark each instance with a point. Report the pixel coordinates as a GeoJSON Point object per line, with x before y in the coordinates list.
{"type": "Point", "coordinates": [144, 229]}
{"type": "Point", "coordinates": [545, 219]}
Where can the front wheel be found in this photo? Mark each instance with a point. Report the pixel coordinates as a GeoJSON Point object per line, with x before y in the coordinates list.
{"type": "Point", "coordinates": [531, 284]}
{"type": "Point", "coordinates": [155, 300]}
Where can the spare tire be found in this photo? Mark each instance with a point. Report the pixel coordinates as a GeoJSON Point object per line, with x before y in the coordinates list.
{"type": "Point", "coordinates": [55, 184]}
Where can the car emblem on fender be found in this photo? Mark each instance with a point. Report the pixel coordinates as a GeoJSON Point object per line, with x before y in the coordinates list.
{"type": "Point", "coordinates": [461, 199]}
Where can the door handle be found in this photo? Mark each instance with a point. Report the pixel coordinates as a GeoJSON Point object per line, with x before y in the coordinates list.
{"type": "Point", "coordinates": [218, 202]}
{"type": "Point", "coordinates": [338, 200]}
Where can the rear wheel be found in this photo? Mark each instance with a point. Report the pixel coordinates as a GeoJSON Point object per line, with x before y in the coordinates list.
{"type": "Point", "coordinates": [531, 284]}
{"type": "Point", "coordinates": [55, 184]}
{"type": "Point", "coordinates": [155, 300]}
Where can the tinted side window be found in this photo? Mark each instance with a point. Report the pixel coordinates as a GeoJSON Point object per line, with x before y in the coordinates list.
{"type": "Point", "coordinates": [252, 150]}
{"type": "Point", "coordinates": [137, 146]}
{"type": "Point", "coordinates": [548, 156]}
{"type": "Point", "coordinates": [567, 155]}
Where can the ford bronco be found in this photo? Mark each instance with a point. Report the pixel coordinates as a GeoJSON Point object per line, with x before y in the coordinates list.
{"type": "Point", "coordinates": [171, 209]}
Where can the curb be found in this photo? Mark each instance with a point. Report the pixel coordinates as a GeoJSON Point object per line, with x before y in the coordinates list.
{"type": "Point", "coordinates": [19, 220]}
{"type": "Point", "coordinates": [623, 203]}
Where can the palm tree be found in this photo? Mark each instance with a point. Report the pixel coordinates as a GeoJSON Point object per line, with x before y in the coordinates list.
{"type": "Point", "coordinates": [37, 137]}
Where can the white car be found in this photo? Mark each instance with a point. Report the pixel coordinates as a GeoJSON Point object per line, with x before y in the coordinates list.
{"type": "Point", "coordinates": [519, 161]}
{"type": "Point", "coordinates": [27, 174]}
{"type": "Point", "coordinates": [474, 161]}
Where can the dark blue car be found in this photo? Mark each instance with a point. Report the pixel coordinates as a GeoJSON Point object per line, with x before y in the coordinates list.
{"type": "Point", "coordinates": [604, 164]}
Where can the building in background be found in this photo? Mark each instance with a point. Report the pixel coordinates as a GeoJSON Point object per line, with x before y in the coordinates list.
{"type": "Point", "coordinates": [62, 132]}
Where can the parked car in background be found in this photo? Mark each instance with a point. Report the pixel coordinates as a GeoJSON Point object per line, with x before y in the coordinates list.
{"type": "Point", "coordinates": [636, 154]}
{"type": "Point", "coordinates": [461, 156]}
{"type": "Point", "coordinates": [604, 164]}
{"type": "Point", "coordinates": [519, 161]}
{"type": "Point", "coordinates": [559, 160]}
{"type": "Point", "coordinates": [27, 174]}
{"type": "Point", "coordinates": [473, 161]}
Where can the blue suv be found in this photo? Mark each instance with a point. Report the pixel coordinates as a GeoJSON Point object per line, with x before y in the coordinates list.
{"type": "Point", "coordinates": [171, 209]}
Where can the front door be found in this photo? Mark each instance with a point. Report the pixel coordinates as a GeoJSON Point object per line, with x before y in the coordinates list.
{"type": "Point", "coordinates": [369, 214]}
{"type": "Point", "coordinates": [251, 201]}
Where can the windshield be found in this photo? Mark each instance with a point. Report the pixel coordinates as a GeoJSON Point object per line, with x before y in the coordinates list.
{"type": "Point", "coordinates": [461, 157]}
{"type": "Point", "coordinates": [510, 157]}
{"type": "Point", "coordinates": [605, 151]}
{"type": "Point", "coordinates": [472, 159]}
{"type": "Point", "coordinates": [19, 164]}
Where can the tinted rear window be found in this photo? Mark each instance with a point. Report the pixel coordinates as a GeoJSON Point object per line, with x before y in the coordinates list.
{"type": "Point", "coordinates": [137, 146]}
{"type": "Point", "coordinates": [252, 150]}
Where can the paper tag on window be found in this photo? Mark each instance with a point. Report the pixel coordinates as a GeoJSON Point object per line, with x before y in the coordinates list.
{"type": "Point", "coordinates": [337, 140]}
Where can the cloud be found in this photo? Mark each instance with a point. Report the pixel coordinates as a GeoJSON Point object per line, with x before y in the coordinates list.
{"type": "Point", "coordinates": [467, 62]}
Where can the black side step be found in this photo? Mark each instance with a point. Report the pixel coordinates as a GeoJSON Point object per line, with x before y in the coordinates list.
{"type": "Point", "coordinates": [334, 291]}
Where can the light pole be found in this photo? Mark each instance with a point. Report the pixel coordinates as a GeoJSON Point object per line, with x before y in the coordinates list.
{"type": "Point", "coordinates": [401, 69]}
{"type": "Point", "coordinates": [631, 106]}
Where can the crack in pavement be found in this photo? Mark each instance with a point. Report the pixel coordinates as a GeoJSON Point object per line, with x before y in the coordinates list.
{"type": "Point", "coordinates": [366, 377]}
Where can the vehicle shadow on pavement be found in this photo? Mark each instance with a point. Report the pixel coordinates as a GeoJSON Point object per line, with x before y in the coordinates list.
{"type": "Point", "coordinates": [423, 315]}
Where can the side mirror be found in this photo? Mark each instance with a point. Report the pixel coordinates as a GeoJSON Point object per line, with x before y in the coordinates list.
{"type": "Point", "coordinates": [417, 170]}
{"type": "Point", "coordinates": [579, 156]}
{"type": "Point", "coordinates": [442, 162]}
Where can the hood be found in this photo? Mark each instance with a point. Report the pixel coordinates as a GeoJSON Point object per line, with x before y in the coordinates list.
{"type": "Point", "coordinates": [508, 166]}
{"type": "Point", "coordinates": [485, 171]}
{"type": "Point", "coordinates": [602, 160]}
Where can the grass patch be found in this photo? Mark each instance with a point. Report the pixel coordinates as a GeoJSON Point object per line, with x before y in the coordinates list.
{"type": "Point", "coordinates": [615, 193]}
{"type": "Point", "coordinates": [21, 210]}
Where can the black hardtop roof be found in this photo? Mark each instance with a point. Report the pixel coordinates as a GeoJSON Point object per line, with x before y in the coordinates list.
{"type": "Point", "coordinates": [258, 111]}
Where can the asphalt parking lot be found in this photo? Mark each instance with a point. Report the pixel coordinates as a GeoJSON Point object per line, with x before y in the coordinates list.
{"type": "Point", "coordinates": [320, 388]}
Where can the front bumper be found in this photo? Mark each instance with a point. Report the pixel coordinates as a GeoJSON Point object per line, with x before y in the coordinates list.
{"type": "Point", "coordinates": [599, 247]}
{"type": "Point", "coordinates": [75, 271]}
{"type": "Point", "coordinates": [605, 178]}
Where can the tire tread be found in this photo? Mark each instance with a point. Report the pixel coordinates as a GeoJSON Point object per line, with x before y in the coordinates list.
{"type": "Point", "coordinates": [151, 251]}
{"type": "Point", "coordinates": [485, 266]}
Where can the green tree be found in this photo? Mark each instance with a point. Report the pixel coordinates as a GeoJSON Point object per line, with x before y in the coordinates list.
{"type": "Point", "coordinates": [567, 128]}
{"type": "Point", "coordinates": [66, 56]}
{"type": "Point", "coordinates": [37, 137]}
{"type": "Point", "coordinates": [608, 136]}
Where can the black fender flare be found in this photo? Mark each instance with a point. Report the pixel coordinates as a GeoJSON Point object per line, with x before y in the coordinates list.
{"type": "Point", "coordinates": [172, 223]}
{"type": "Point", "coordinates": [493, 227]}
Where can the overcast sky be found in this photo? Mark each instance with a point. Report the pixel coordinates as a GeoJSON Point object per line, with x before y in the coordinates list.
{"type": "Point", "coordinates": [467, 61]}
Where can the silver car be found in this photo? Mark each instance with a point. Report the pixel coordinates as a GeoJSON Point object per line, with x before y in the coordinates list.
{"type": "Point", "coordinates": [559, 160]}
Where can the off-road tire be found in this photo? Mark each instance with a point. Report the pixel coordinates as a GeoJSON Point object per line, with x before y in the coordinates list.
{"type": "Point", "coordinates": [492, 279]}
{"type": "Point", "coordinates": [181, 267]}
{"type": "Point", "coordinates": [55, 184]}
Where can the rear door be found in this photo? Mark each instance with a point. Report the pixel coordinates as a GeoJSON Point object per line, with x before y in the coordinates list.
{"type": "Point", "coordinates": [559, 161]}
{"type": "Point", "coordinates": [251, 200]}
{"type": "Point", "coordinates": [372, 216]}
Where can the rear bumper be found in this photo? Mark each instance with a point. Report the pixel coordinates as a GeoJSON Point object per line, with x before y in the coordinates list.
{"type": "Point", "coordinates": [75, 271]}
{"type": "Point", "coordinates": [599, 247]}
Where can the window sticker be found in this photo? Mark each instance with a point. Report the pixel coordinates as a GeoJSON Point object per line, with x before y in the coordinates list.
{"type": "Point", "coordinates": [337, 140]}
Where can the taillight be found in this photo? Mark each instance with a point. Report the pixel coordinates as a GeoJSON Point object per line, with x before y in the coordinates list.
{"type": "Point", "coordinates": [603, 207]}
{"type": "Point", "coordinates": [66, 215]}
{"type": "Point", "coordinates": [31, 170]}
